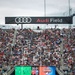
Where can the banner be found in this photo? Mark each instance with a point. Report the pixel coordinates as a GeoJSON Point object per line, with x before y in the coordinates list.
{"type": "Point", "coordinates": [38, 20]}
{"type": "Point", "coordinates": [35, 70]}
{"type": "Point", "coordinates": [22, 70]}
{"type": "Point", "coordinates": [47, 70]}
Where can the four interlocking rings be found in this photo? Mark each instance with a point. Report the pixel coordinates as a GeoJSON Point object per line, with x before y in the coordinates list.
{"type": "Point", "coordinates": [23, 19]}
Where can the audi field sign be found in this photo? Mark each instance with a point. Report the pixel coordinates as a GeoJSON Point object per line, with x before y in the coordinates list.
{"type": "Point", "coordinates": [38, 20]}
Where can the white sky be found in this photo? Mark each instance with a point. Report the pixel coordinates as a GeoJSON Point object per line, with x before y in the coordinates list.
{"type": "Point", "coordinates": [34, 8]}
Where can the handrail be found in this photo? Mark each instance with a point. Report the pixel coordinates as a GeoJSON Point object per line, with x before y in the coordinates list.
{"type": "Point", "coordinates": [59, 72]}
{"type": "Point", "coordinates": [9, 73]}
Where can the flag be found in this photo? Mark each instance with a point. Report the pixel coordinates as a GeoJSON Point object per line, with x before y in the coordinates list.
{"type": "Point", "coordinates": [50, 70]}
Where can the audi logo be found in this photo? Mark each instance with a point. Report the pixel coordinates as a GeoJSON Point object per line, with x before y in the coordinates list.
{"type": "Point", "coordinates": [23, 19]}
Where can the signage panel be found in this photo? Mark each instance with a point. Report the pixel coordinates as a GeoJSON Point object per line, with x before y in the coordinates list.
{"type": "Point", "coordinates": [38, 20]}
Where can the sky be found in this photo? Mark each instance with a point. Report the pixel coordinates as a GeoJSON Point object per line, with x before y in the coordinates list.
{"type": "Point", "coordinates": [31, 8]}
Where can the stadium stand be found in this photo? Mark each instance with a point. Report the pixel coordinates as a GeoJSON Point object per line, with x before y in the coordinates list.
{"type": "Point", "coordinates": [37, 48]}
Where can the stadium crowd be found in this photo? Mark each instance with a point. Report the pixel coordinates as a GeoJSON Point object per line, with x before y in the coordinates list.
{"type": "Point", "coordinates": [37, 48]}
